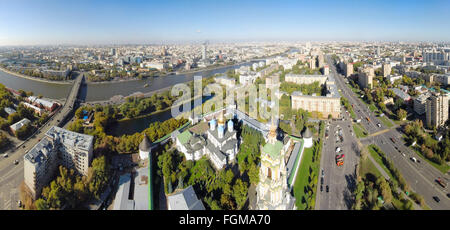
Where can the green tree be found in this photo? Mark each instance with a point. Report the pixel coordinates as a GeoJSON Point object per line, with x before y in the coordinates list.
{"type": "Point", "coordinates": [240, 190]}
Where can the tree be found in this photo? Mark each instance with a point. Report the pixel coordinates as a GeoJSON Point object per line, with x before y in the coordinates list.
{"type": "Point", "coordinates": [41, 204]}
{"type": "Point", "coordinates": [240, 190]}
{"type": "Point", "coordinates": [401, 114]}
{"type": "Point", "coordinates": [4, 141]}
{"type": "Point", "coordinates": [23, 132]}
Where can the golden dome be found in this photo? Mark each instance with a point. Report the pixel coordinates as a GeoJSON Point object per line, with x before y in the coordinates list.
{"type": "Point", "coordinates": [221, 119]}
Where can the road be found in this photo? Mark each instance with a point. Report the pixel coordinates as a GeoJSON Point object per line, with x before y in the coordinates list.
{"type": "Point", "coordinates": [340, 179]}
{"type": "Point", "coordinates": [420, 176]}
{"type": "Point", "coordinates": [11, 175]}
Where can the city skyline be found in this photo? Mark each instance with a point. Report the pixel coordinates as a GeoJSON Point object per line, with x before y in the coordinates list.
{"type": "Point", "coordinates": [113, 22]}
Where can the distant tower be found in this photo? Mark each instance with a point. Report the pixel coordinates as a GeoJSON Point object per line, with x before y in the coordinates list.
{"type": "Point", "coordinates": [204, 51]}
{"type": "Point", "coordinates": [145, 148]}
{"type": "Point", "coordinates": [163, 51]}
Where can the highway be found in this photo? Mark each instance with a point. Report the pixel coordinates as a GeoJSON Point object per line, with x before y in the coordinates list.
{"type": "Point", "coordinates": [420, 176]}
{"type": "Point", "coordinates": [11, 175]}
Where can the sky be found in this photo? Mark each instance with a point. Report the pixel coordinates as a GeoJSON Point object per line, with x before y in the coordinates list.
{"type": "Point", "coordinates": [50, 22]}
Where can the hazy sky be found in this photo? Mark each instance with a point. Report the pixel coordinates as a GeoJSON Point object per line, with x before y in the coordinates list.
{"type": "Point", "coordinates": [28, 22]}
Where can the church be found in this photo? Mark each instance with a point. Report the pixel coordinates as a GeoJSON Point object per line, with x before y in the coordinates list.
{"type": "Point", "coordinates": [219, 143]}
{"type": "Point", "coordinates": [272, 190]}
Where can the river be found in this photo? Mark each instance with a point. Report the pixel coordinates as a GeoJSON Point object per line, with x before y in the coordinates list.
{"type": "Point", "coordinates": [104, 91]}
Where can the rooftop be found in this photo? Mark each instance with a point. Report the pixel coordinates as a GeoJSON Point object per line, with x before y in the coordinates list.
{"type": "Point", "coordinates": [69, 138]}
{"type": "Point", "coordinates": [185, 199]}
{"type": "Point", "coordinates": [273, 150]}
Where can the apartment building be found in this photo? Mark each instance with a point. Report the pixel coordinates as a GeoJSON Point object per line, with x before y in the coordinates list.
{"type": "Point", "coordinates": [324, 105]}
{"type": "Point", "coordinates": [58, 147]}
{"type": "Point", "coordinates": [437, 110]}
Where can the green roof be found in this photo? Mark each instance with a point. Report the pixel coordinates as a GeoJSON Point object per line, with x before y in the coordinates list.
{"type": "Point", "coordinates": [273, 150]}
{"type": "Point", "coordinates": [184, 137]}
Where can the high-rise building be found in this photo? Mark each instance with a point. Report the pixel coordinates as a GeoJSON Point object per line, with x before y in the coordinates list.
{"type": "Point", "coordinates": [436, 57]}
{"type": "Point", "coordinates": [58, 147]}
{"type": "Point", "coordinates": [112, 52]}
{"type": "Point", "coordinates": [420, 103]}
{"type": "Point", "coordinates": [204, 52]}
{"type": "Point", "coordinates": [386, 69]}
{"type": "Point", "coordinates": [163, 51]}
{"type": "Point", "coordinates": [348, 69]}
{"type": "Point", "coordinates": [365, 77]}
{"type": "Point", "coordinates": [312, 63]}
{"type": "Point", "coordinates": [320, 60]}
{"type": "Point", "coordinates": [437, 110]}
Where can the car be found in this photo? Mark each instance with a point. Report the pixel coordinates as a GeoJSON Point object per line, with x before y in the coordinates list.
{"type": "Point", "coordinates": [414, 159]}
{"type": "Point", "coordinates": [16, 162]}
{"type": "Point", "coordinates": [403, 154]}
{"type": "Point", "coordinates": [435, 198]}
{"type": "Point", "coordinates": [321, 188]}
{"type": "Point", "coordinates": [5, 155]}
{"type": "Point", "coordinates": [323, 173]}
{"type": "Point", "coordinates": [327, 188]}
{"type": "Point", "coordinates": [379, 125]}
{"type": "Point", "coordinates": [448, 195]}
{"type": "Point", "coordinates": [321, 180]}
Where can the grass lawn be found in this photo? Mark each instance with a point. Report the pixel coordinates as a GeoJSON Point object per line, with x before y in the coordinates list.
{"type": "Point", "coordinates": [372, 169]}
{"type": "Point", "coordinates": [373, 108]}
{"type": "Point", "coordinates": [386, 121]}
{"type": "Point", "coordinates": [301, 181]}
{"type": "Point", "coordinates": [352, 113]}
{"type": "Point", "coordinates": [360, 132]}
{"type": "Point", "coordinates": [366, 166]}
{"type": "Point", "coordinates": [379, 160]}
{"type": "Point", "coordinates": [444, 168]}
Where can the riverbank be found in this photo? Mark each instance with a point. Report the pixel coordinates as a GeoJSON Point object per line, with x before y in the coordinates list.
{"type": "Point", "coordinates": [65, 82]}
{"type": "Point", "coordinates": [167, 74]}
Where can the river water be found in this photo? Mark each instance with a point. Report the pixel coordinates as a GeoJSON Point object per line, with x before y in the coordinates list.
{"type": "Point", "coordinates": [104, 91]}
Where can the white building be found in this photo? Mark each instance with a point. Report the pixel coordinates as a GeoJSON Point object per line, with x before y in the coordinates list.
{"type": "Point", "coordinates": [14, 127]}
{"type": "Point", "coordinates": [145, 148]}
{"type": "Point", "coordinates": [393, 78]}
{"type": "Point", "coordinates": [219, 143]}
{"type": "Point", "coordinates": [185, 199]}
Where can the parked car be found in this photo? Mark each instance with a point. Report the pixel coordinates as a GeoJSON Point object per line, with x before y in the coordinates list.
{"type": "Point", "coordinates": [16, 162]}
{"type": "Point", "coordinates": [321, 188]}
{"type": "Point", "coordinates": [327, 188]}
{"type": "Point", "coordinates": [436, 199]}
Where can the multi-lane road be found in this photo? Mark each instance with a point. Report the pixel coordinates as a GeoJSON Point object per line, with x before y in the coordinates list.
{"type": "Point", "coordinates": [420, 176]}
{"type": "Point", "coordinates": [11, 175]}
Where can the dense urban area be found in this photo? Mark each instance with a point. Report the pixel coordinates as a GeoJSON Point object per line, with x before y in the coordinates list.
{"type": "Point", "coordinates": [360, 126]}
